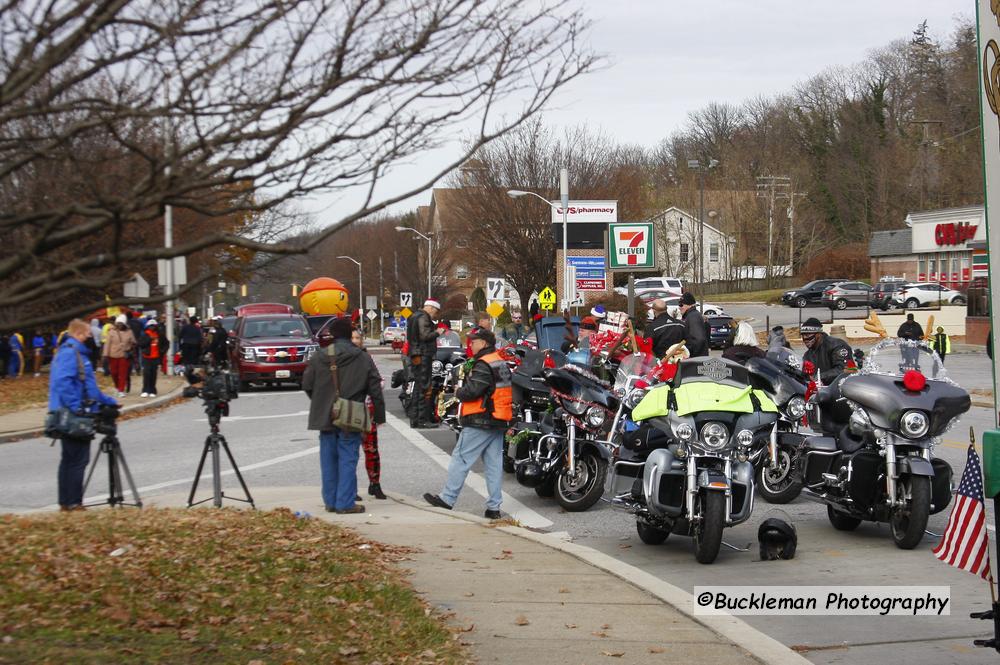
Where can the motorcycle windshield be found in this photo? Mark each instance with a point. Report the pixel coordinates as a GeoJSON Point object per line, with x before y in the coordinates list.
{"type": "Point", "coordinates": [896, 357]}
{"type": "Point", "coordinates": [632, 367]}
{"type": "Point", "coordinates": [698, 396]}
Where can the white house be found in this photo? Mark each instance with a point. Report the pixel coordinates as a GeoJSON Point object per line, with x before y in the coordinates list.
{"type": "Point", "coordinates": [678, 245]}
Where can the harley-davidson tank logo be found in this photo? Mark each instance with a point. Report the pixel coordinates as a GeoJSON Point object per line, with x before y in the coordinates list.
{"type": "Point", "coordinates": [715, 370]}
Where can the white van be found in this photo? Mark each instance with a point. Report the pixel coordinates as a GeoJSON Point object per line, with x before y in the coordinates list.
{"type": "Point", "coordinates": [671, 284]}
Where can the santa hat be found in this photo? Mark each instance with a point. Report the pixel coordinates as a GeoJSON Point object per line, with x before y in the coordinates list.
{"type": "Point", "coordinates": [430, 302]}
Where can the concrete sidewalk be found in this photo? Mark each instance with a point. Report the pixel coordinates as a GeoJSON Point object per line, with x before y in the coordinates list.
{"type": "Point", "coordinates": [29, 422]}
{"type": "Point", "coordinates": [520, 596]}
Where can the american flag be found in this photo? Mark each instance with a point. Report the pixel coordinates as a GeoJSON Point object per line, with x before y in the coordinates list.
{"type": "Point", "coordinates": [965, 543]}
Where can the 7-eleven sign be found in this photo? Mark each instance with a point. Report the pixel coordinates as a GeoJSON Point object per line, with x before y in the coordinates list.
{"type": "Point", "coordinates": [631, 247]}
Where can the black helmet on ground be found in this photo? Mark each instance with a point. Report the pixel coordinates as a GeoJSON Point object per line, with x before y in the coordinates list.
{"type": "Point", "coordinates": [777, 539]}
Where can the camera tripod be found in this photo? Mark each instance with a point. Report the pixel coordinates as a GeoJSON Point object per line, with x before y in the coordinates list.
{"type": "Point", "coordinates": [214, 443]}
{"type": "Point", "coordinates": [111, 447]}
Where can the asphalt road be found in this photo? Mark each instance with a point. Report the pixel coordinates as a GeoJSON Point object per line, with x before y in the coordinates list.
{"type": "Point", "coordinates": [764, 317]}
{"type": "Point", "coordinates": [269, 441]}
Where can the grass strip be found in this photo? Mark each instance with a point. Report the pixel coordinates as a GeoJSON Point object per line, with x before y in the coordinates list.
{"type": "Point", "coordinates": [207, 586]}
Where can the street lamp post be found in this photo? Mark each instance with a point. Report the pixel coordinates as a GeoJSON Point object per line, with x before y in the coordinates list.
{"type": "Point", "coordinates": [429, 248]}
{"type": "Point", "coordinates": [564, 199]}
{"type": "Point", "coordinates": [701, 168]}
{"type": "Point", "coordinates": [361, 291]}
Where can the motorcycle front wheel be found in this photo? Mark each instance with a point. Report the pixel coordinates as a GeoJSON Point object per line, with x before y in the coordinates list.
{"type": "Point", "coordinates": [779, 485]}
{"type": "Point", "coordinates": [576, 494]}
{"type": "Point", "coordinates": [708, 534]}
{"type": "Point", "coordinates": [909, 521]}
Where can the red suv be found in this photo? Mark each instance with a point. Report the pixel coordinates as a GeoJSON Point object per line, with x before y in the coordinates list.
{"type": "Point", "coordinates": [271, 349]}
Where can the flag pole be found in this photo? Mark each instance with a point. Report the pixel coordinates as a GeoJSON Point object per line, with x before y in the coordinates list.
{"type": "Point", "coordinates": [992, 614]}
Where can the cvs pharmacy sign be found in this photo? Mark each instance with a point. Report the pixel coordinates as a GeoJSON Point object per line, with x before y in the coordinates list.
{"type": "Point", "coordinates": [631, 247]}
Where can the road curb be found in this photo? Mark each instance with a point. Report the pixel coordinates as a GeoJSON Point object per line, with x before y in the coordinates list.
{"type": "Point", "coordinates": [8, 437]}
{"type": "Point", "coordinates": [761, 646]}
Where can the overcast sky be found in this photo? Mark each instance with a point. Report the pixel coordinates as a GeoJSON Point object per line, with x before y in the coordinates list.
{"type": "Point", "coordinates": [666, 58]}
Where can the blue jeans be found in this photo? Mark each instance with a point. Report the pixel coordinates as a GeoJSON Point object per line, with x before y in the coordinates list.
{"type": "Point", "coordinates": [338, 464]}
{"type": "Point", "coordinates": [72, 465]}
{"type": "Point", "coordinates": [474, 443]}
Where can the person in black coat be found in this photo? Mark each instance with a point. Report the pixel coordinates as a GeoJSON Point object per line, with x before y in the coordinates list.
{"type": "Point", "coordinates": [191, 341]}
{"type": "Point", "coordinates": [695, 329]}
{"type": "Point", "coordinates": [828, 354]}
{"type": "Point", "coordinates": [910, 329]}
{"type": "Point", "coordinates": [664, 329]}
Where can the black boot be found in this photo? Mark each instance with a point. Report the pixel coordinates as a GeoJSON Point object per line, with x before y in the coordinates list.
{"type": "Point", "coordinates": [375, 490]}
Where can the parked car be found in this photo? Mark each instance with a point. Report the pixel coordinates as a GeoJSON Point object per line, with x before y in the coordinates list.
{"type": "Point", "coordinates": [719, 329]}
{"type": "Point", "coordinates": [673, 302]}
{"type": "Point", "coordinates": [883, 292]}
{"type": "Point", "coordinates": [271, 349]}
{"type": "Point", "coordinates": [923, 294]}
{"type": "Point", "coordinates": [846, 294]}
{"type": "Point", "coordinates": [808, 294]}
{"type": "Point", "coordinates": [392, 334]}
{"type": "Point", "coordinates": [670, 284]}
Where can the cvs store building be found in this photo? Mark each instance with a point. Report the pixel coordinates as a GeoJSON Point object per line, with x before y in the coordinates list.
{"type": "Point", "coordinates": [946, 246]}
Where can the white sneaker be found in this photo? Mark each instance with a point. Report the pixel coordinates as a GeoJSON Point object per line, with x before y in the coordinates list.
{"type": "Point", "coordinates": [143, 394]}
{"type": "Point", "coordinates": [121, 394]}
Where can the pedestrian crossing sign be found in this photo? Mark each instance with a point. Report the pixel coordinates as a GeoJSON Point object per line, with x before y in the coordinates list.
{"type": "Point", "coordinates": [547, 298]}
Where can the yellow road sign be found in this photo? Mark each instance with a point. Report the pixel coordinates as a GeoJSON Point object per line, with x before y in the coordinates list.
{"type": "Point", "coordinates": [405, 312]}
{"type": "Point", "coordinates": [495, 309]}
{"type": "Point", "coordinates": [547, 297]}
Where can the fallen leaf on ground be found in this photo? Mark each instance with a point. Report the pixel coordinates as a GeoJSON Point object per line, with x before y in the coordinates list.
{"type": "Point", "coordinates": [570, 625]}
{"type": "Point", "coordinates": [606, 626]}
{"type": "Point", "coordinates": [521, 621]}
{"type": "Point", "coordinates": [598, 633]}
{"type": "Point", "coordinates": [563, 590]}
{"type": "Point", "coordinates": [613, 654]}
{"type": "Point", "coordinates": [656, 650]}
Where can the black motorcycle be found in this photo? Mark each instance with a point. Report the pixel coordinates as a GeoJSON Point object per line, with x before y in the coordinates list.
{"type": "Point", "coordinates": [874, 461]}
{"type": "Point", "coordinates": [571, 454]}
{"type": "Point", "coordinates": [777, 460]}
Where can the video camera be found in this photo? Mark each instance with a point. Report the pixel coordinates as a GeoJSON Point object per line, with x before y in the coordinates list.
{"type": "Point", "coordinates": [215, 385]}
{"type": "Point", "coordinates": [106, 419]}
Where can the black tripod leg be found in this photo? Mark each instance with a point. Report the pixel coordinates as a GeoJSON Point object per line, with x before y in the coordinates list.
{"type": "Point", "coordinates": [128, 476]}
{"type": "Point", "coordinates": [197, 474]}
{"type": "Point", "coordinates": [216, 471]}
{"type": "Point", "coordinates": [93, 465]}
{"type": "Point", "coordinates": [236, 469]}
{"type": "Point", "coordinates": [115, 497]}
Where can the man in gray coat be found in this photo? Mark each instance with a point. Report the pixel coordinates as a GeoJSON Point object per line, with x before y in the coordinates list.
{"type": "Point", "coordinates": [357, 378]}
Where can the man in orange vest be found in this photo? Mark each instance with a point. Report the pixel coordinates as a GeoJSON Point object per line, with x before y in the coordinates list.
{"type": "Point", "coordinates": [149, 344]}
{"type": "Point", "coordinates": [485, 414]}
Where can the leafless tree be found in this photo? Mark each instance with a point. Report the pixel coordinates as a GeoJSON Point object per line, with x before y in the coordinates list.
{"type": "Point", "coordinates": [112, 109]}
{"type": "Point", "coordinates": [513, 238]}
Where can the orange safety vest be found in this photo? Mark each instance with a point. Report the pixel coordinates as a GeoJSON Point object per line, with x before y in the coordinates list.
{"type": "Point", "coordinates": [154, 344]}
{"type": "Point", "coordinates": [502, 398]}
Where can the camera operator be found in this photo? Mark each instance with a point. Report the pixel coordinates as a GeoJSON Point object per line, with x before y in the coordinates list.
{"type": "Point", "coordinates": [72, 385]}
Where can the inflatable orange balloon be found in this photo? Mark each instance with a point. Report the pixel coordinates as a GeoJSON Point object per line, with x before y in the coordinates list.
{"type": "Point", "coordinates": [323, 295]}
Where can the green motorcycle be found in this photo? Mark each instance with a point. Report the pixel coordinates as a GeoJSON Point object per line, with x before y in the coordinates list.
{"type": "Point", "coordinates": [685, 469]}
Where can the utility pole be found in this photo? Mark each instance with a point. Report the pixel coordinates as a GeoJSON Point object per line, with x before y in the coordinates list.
{"type": "Point", "coordinates": [925, 142]}
{"type": "Point", "coordinates": [381, 297]}
{"type": "Point", "coordinates": [701, 168]}
{"type": "Point", "coordinates": [772, 187]}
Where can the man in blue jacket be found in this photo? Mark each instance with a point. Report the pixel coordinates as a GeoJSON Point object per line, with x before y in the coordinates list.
{"type": "Point", "coordinates": [72, 384]}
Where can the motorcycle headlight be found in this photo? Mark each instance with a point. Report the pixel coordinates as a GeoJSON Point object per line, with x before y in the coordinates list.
{"type": "Point", "coordinates": [634, 397]}
{"type": "Point", "coordinates": [684, 432]}
{"type": "Point", "coordinates": [714, 436]}
{"type": "Point", "coordinates": [437, 366]}
{"type": "Point", "coordinates": [796, 407]}
{"type": "Point", "coordinates": [744, 438]}
{"type": "Point", "coordinates": [595, 416]}
{"type": "Point", "coordinates": [914, 424]}
{"type": "Point", "coordinates": [448, 367]}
